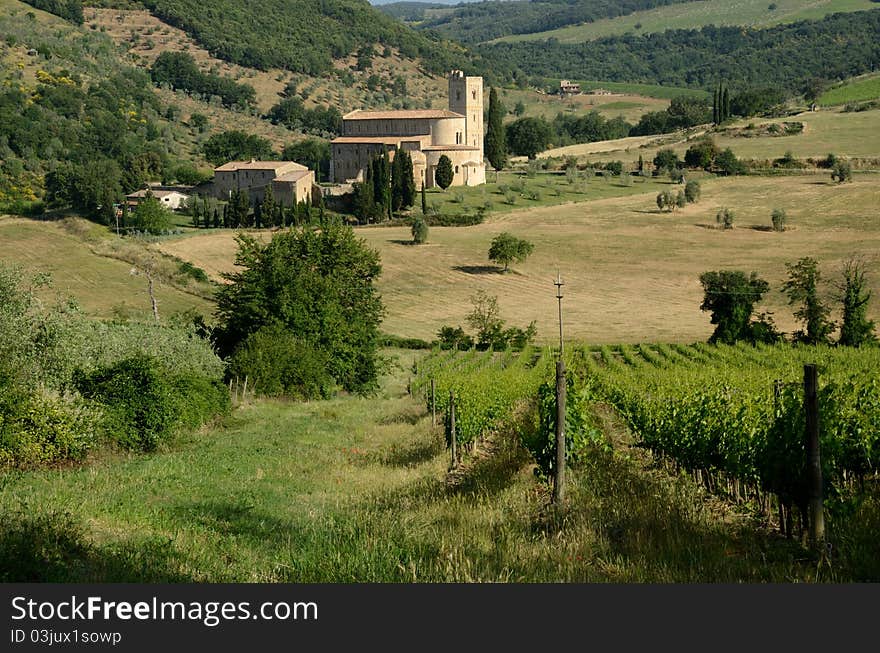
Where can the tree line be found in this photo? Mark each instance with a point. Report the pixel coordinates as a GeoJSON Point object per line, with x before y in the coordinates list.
{"type": "Point", "coordinates": [731, 295]}
{"type": "Point", "coordinates": [180, 71]}
{"type": "Point", "coordinates": [784, 57]}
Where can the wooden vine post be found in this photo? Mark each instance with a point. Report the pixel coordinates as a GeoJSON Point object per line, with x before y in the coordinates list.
{"type": "Point", "coordinates": [452, 437]}
{"type": "Point", "coordinates": [433, 403]}
{"type": "Point", "coordinates": [814, 461]}
{"type": "Point", "coordinates": [559, 477]}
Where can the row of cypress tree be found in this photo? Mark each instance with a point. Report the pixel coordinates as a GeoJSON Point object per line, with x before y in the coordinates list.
{"type": "Point", "coordinates": [387, 187]}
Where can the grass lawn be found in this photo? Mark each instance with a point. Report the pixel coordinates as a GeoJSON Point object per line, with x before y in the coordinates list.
{"type": "Point", "coordinates": [859, 89]}
{"type": "Point", "coordinates": [631, 271]}
{"type": "Point", "coordinates": [845, 134]}
{"type": "Point", "coordinates": [103, 286]}
{"type": "Point", "coordinates": [694, 15]}
{"type": "Point", "coordinates": [355, 490]}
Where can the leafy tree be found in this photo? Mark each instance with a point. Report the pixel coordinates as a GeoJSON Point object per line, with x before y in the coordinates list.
{"type": "Point", "coordinates": [802, 287]}
{"type": "Point", "coordinates": [444, 175]}
{"type": "Point", "coordinates": [419, 230]}
{"type": "Point", "coordinates": [199, 121]}
{"type": "Point", "coordinates": [666, 160]}
{"type": "Point", "coordinates": [311, 152]}
{"type": "Point", "coordinates": [778, 218]}
{"type": "Point", "coordinates": [528, 136]}
{"type": "Point", "coordinates": [485, 319]}
{"type": "Point", "coordinates": [731, 296]}
{"type": "Point", "coordinates": [856, 329]}
{"type": "Point", "coordinates": [317, 284]}
{"type": "Point", "coordinates": [680, 200]}
{"type": "Point", "coordinates": [496, 143]}
{"type": "Point", "coordinates": [507, 249]}
{"type": "Point", "coordinates": [292, 113]}
{"type": "Point", "coordinates": [151, 216]}
{"type": "Point", "coordinates": [236, 146]}
{"type": "Point", "coordinates": [519, 109]}
{"type": "Point", "coordinates": [727, 163]}
{"type": "Point", "coordinates": [454, 338]}
{"type": "Point", "coordinates": [692, 191]}
{"type": "Point", "coordinates": [842, 171]}
{"type": "Point", "coordinates": [179, 70]}
{"type": "Point", "coordinates": [724, 218]}
{"type": "Point", "coordinates": [701, 155]}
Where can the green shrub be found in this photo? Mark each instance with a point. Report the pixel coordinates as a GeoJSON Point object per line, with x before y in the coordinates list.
{"type": "Point", "coordinates": [277, 363]}
{"type": "Point", "coordinates": [40, 429]}
{"type": "Point", "coordinates": [140, 407]}
{"type": "Point", "coordinates": [778, 218]}
{"type": "Point", "coordinates": [199, 399]}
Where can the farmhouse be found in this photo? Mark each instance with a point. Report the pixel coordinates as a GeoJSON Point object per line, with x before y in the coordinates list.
{"type": "Point", "coordinates": [291, 182]}
{"type": "Point", "coordinates": [172, 199]}
{"type": "Point", "coordinates": [426, 134]}
{"type": "Point", "coordinates": [569, 88]}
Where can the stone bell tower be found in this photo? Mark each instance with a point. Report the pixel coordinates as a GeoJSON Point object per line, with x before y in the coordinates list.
{"type": "Point", "coordinates": [466, 98]}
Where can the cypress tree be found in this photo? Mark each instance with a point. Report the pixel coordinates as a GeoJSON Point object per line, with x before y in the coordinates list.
{"type": "Point", "coordinates": [397, 181]}
{"type": "Point", "coordinates": [226, 216]}
{"type": "Point", "coordinates": [409, 182]}
{"type": "Point", "coordinates": [424, 201]}
{"type": "Point", "coordinates": [495, 143]}
{"type": "Point", "coordinates": [715, 117]}
{"type": "Point", "coordinates": [267, 208]}
{"type": "Point", "coordinates": [216, 218]}
{"type": "Point", "coordinates": [726, 103]}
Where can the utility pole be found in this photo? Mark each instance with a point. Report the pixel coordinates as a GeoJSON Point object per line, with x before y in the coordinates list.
{"type": "Point", "coordinates": [559, 480]}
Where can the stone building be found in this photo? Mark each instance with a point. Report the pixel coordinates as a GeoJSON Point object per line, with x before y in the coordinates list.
{"type": "Point", "coordinates": [426, 134]}
{"type": "Point", "coordinates": [291, 182]}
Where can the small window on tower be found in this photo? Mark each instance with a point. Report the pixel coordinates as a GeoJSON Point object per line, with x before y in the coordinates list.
{"type": "Point", "coordinates": [474, 94]}
{"type": "Point", "coordinates": [458, 95]}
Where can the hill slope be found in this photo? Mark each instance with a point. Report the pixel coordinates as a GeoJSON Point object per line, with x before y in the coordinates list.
{"type": "Point", "coordinates": [298, 35]}
{"type": "Point", "coordinates": [754, 14]}
{"type": "Point", "coordinates": [837, 47]}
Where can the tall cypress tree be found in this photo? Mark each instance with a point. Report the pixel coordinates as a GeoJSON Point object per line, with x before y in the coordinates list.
{"type": "Point", "coordinates": [716, 118]}
{"type": "Point", "coordinates": [496, 144]}
{"type": "Point", "coordinates": [424, 201]}
{"type": "Point", "coordinates": [726, 103]}
{"type": "Point", "coordinates": [409, 182]}
{"type": "Point", "coordinates": [397, 180]}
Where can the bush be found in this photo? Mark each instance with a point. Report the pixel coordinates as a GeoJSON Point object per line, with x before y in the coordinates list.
{"type": "Point", "coordinates": [724, 218]}
{"type": "Point", "coordinates": [778, 219]}
{"type": "Point", "coordinates": [419, 231]}
{"type": "Point", "coordinates": [39, 429]}
{"type": "Point", "coordinates": [692, 191]}
{"type": "Point", "coordinates": [842, 171]}
{"type": "Point", "coordinates": [140, 407]}
{"type": "Point", "coordinates": [277, 363]}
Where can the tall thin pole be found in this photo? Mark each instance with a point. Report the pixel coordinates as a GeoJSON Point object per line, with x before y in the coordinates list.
{"type": "Point", "coordinates": [814, 463]}
{"type": "Point", "coordinates": [559, 283]}
{"type": "Point", "coordinates": [559, 480]}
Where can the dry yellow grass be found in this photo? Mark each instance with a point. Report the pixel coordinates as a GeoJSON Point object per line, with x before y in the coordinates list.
{"type": "Point", "coordinates": [631, 272]}
{"type": "Point", "coordinates": [102, 286]}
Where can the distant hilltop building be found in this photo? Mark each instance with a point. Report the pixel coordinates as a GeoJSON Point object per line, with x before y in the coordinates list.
{"type": "Point", "coordinates": [426, 134]}
{"type": "Point", "coordinates": [291, 182]}
{"type": "Point", "coordinates": [569, 88]}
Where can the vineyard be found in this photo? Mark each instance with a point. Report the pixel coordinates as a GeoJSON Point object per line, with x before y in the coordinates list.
{"type": "Point", "coordinates": [732, 416]}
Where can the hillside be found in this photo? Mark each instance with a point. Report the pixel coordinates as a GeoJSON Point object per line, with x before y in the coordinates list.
{"type": "Point", "coordinates": [785, 56]}
{"type": "Point", "coordinates": [484, 21]}
{"type": "Point", "coordinates": [259, 34]}
{"type": "Point", "coordinates": [754, 14]}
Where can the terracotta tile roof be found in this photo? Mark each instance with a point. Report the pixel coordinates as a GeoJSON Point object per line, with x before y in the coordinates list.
{"type": "Point", "coordinates": [259, 165]}
{"type": "Point", "coordinates": [158, 194]}
{"type": "Point", "coordinates": [293, 176]}
{"type": "Point", "coordinates": [435, 148]}
{"type": "Point", "coordinates": [423, 114]}
{"type": "Point", "coordinates": [388, 140]}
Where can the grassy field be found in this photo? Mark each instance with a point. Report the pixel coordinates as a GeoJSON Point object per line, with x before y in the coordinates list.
{"type": "Point", "coordinates": [693, 15]}
{"type": "Point", "coordinates": [631, 272]}
{"type": "Point", "coordinates": [845, 134]}
{"type": "Point", "coordinates": [101, 285]}
{"type": "Point", "coordinates": [630, 105]}
{"type": "Point", "coordinates": [353, 490]}
{"type": "Point", "coordinates": [858, 89]}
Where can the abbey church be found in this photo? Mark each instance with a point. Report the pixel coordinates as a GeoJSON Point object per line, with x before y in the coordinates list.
{"type": "Point", "coordinates": [425, 134]}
